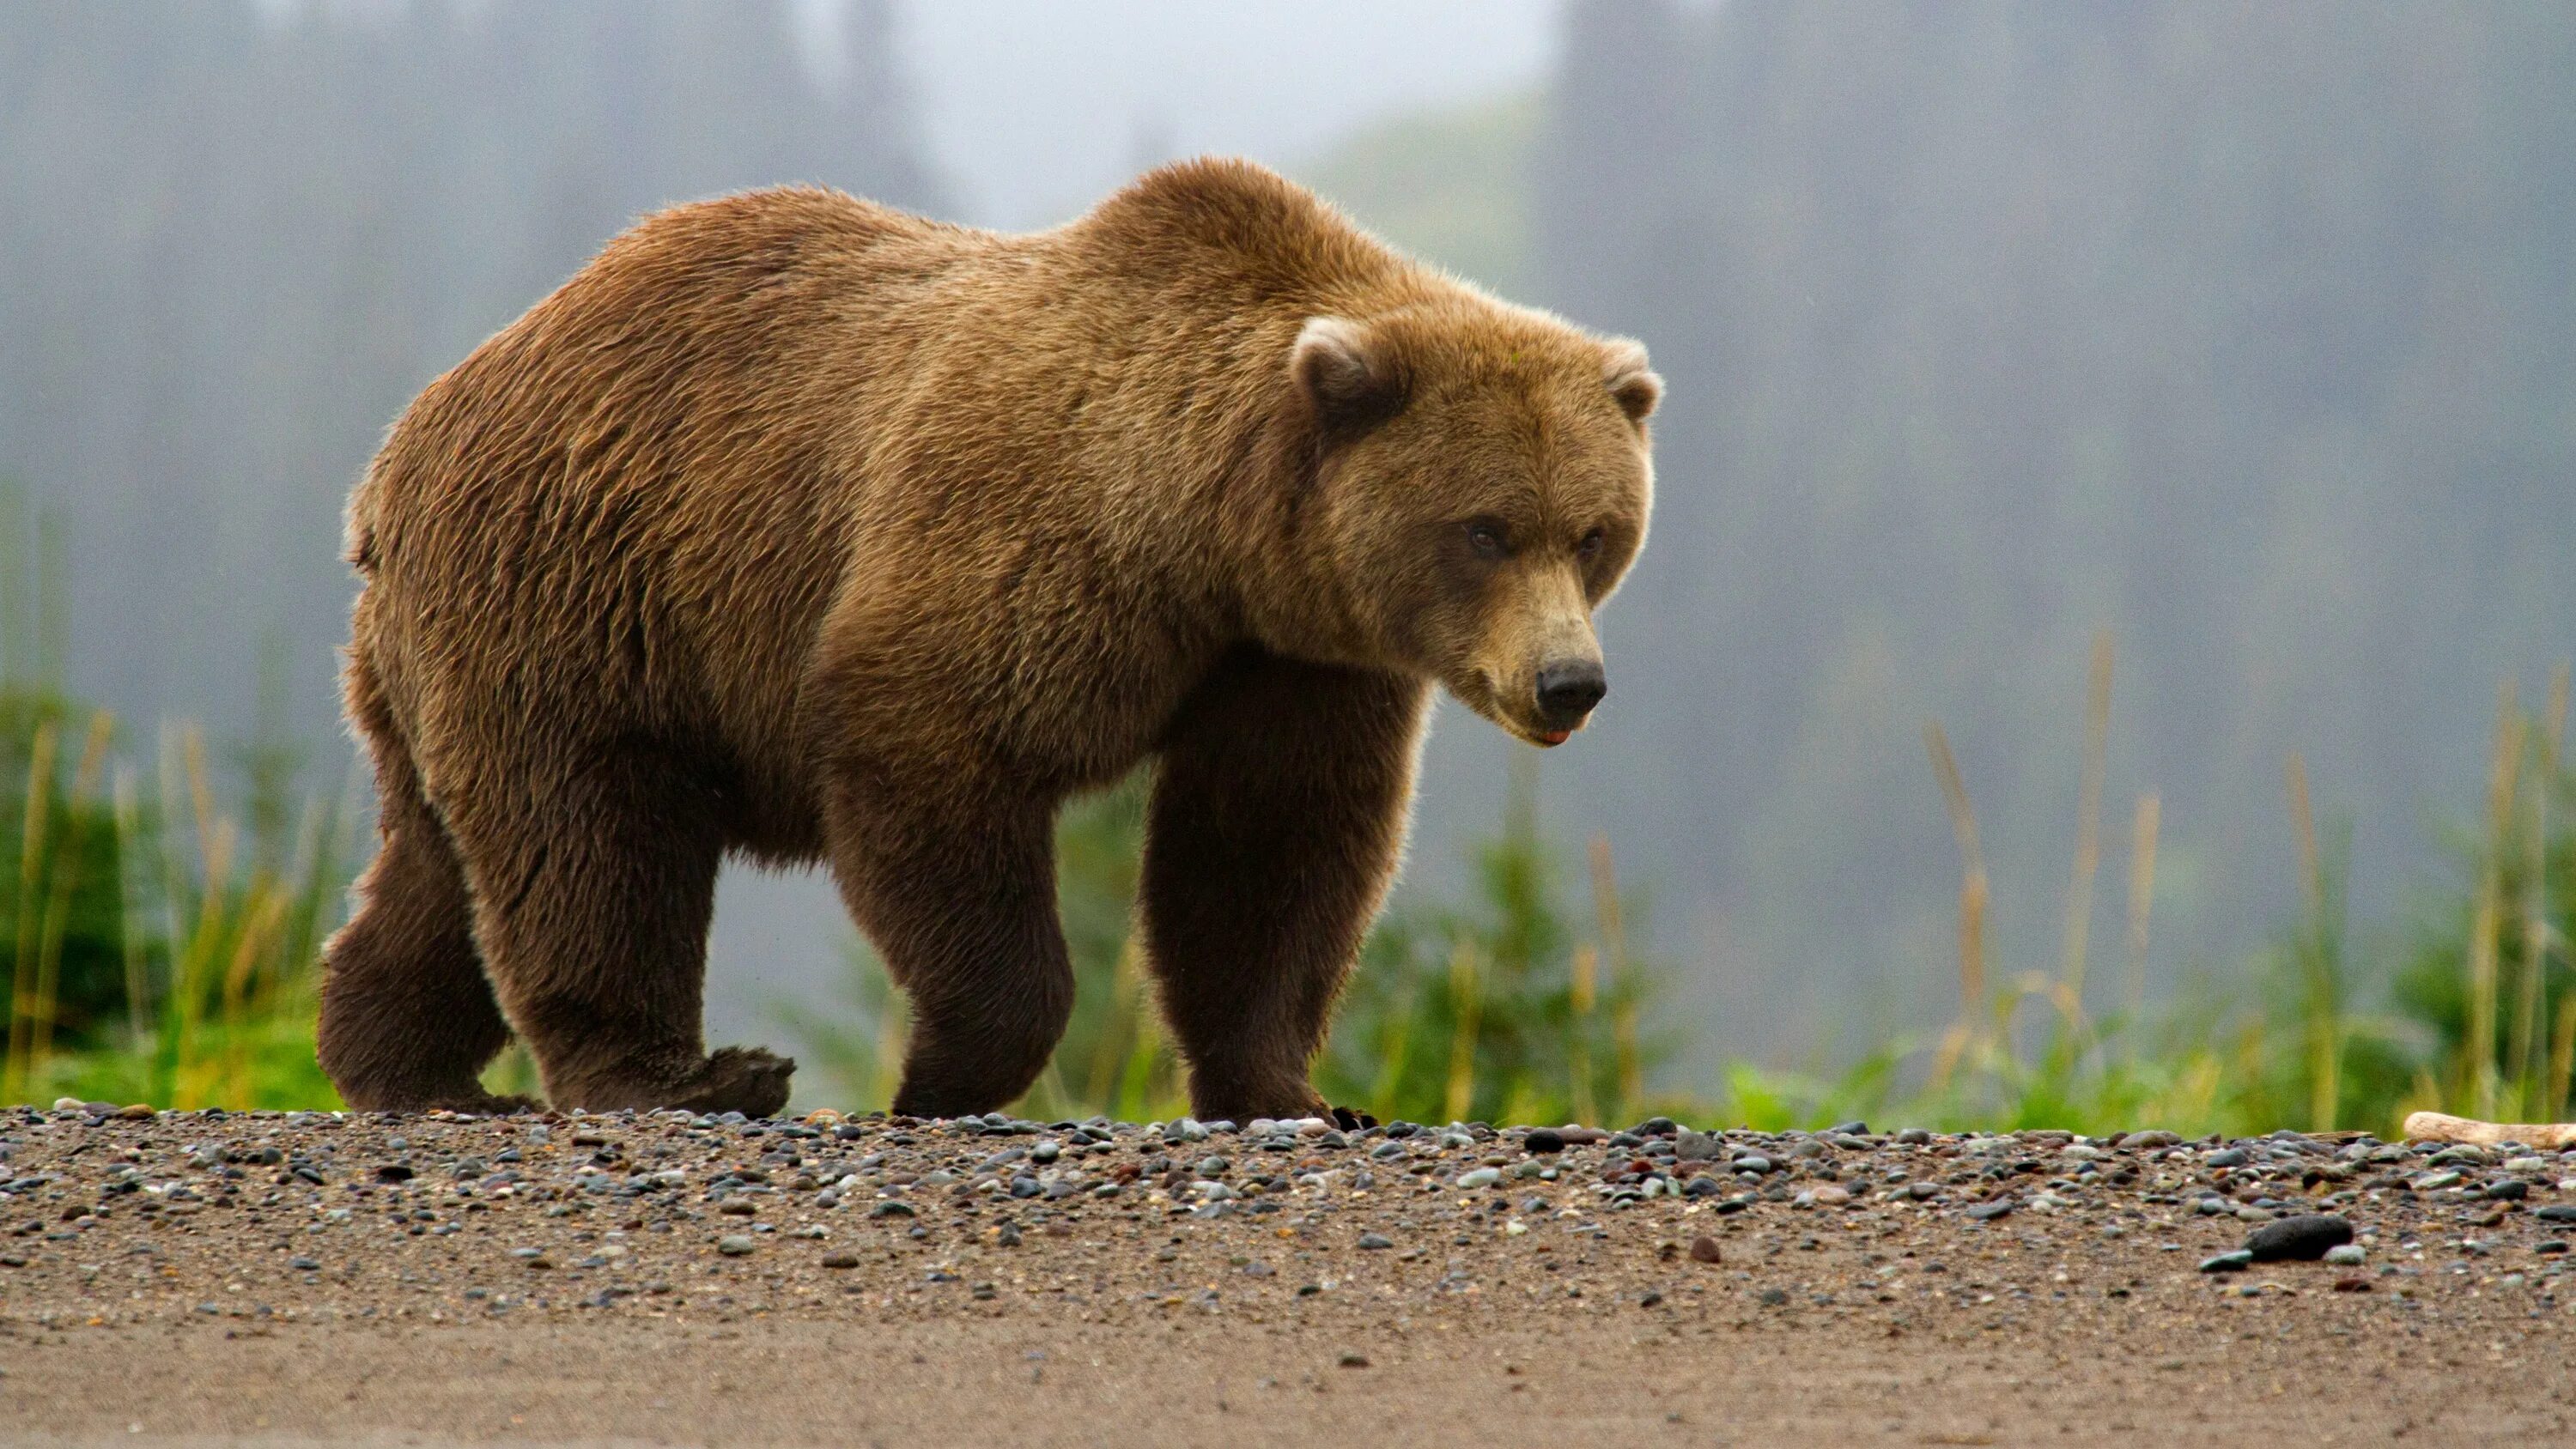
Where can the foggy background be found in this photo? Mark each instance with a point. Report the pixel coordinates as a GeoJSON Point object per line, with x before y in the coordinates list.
{"type": "Point", "coordinates": [2244, 331]}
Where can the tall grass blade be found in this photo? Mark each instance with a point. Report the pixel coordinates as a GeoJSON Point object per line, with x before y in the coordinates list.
{"type": "Point", "coordinates": [2142, 899]}
{"type": "Point", "coordinates": [2479, 1051]}
{"type": "Point", "coordinates": [1578, 1046]}
{"type": "Point", "coordinates": [2088, 818]}
{"type": "Point", "coordinates": [34, 833]}
{"type": "Point", "coordinates": [58, 905]}
{"type": "Point", "coordinates": [1465, 1002]}
{"type": "Point", "coordinates": [1972, 882]}
{"type": "Point", "coordinates": [2532, 1006]}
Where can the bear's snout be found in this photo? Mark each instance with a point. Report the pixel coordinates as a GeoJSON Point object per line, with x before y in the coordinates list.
{"type": "Point", "coordinates": [1568, 689]}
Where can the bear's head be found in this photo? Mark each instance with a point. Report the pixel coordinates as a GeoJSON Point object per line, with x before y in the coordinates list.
{"type": "Point", "coordinates": [1481, 481]}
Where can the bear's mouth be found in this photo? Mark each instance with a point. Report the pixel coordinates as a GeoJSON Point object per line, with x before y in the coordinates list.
{"type": "Point", "coordinates": [1477, 692]}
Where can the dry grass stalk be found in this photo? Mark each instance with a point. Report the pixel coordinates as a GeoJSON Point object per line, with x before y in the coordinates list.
{"type": "Point", "coordinates": [2088, 818]}
{"type": "Point", "coordinates": [1578, 1047]}
{"type": "Point", "coordinates": [1614, 944]}
{"type": "Point", "coordinates": [31, 874]}
{"type": "Point", "coordinates": [2535, 898]}
{"type": "Point", "coordinates": [2324, 1025]}
{"type": "Point", "coordinates": [1972, 905]}
{"type": "Point", "coordinates": [1465, 1005]}
{"type": "Point", "coordinates": [2142, 896]}
{"type": "Point", "coordinates": [2480, 1050]}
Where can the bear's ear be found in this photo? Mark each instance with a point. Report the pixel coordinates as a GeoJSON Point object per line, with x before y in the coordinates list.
{"type": "Point", "coordinates": [1632, 383]}
{"type": "Point", "coordinates": [1348, 372]}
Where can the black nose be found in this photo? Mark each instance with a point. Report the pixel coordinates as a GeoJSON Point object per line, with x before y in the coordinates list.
{"type": "Point", "coordinates": [1568, 690]}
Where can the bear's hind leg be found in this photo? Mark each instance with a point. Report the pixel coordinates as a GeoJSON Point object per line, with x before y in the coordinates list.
{"type": "Point", "coordinates": [1277, 818]}
{"type": "Point", "coordinates": [593, 898]}
{"type": "Point", "coordinates": [408, 1020]}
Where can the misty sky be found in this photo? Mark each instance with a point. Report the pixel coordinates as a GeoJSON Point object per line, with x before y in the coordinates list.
{"type": "Point", "coordinates": [1033, 109]}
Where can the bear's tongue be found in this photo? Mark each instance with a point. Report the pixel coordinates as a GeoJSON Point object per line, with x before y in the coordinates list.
{"type": "Point", "coordinates": [1557, 737]}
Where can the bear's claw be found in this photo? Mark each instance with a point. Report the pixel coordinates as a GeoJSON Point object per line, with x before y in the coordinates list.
{"type": "Point", "coordinates": [749, 1080]}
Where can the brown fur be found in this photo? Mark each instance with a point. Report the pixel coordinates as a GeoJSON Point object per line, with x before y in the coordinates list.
{"type": "Point", "coordinates": [801, 528]}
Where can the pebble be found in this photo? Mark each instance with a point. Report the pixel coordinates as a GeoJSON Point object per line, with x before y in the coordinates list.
{"type": "Point", "coordinates": [1481, 1177]}
{"type": "Point", "coordinates": [1542, 1139]}
{"type": "Point", "coordinates": [842, 1259]}
{"type": "Point", "coordinates": [1986, 1212]}
{"type": "Point", "coordinates": [1370, 1242]}
{"type": "Point", "coordinates": [1705, 1250]}
{"type": "Point", "coordinates": [2347, 1255]}
{"type": "Point", "coordinates": [2556, 1213]}
{"type": "Point", "coordinates": [734, 1245]}
{"type": "Point", "coordinates": [2236, 1262]}
{"type": "Point", "coordinates": [2304, 1238]}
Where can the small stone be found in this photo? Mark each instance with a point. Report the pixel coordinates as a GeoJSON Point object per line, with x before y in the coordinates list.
{"type": "Point", "coordinates": [891, 1210]}
{"type": "Point", "coordinates": [841, 1259]}
{"type": "Point", "coordinates": [1705, 1250]}
{"type": "Point", "coordinates": [2303, 1238]}
{"type": "Point", "coordinates": [1849, 1129]}
{"type": "Point", "coordinates": [2236, 1262]}
{"type": "Point", "coordinates": [1655, 1127]}
{"type": "Point", "coordinates": [2551, 1249]}
{"type": "Point", "coordinates": [2347, 1255]}
{"type": "Point", "coordinates": [2556, 1213]}
{"type": "Point", "coordinates": [1915, 1137]}
{"type": "Point", "coordinates": [734, 1245]}
{"type": "Point", "coordinates": [2511, 1189]}
{"type": "Point", "coordinates": [67, 1104]}
{"type": "Point", "coordinates": [1986, 1212]}
{"type": "Point", "coordinates": [1696, 1147]}
{"type": "Point", "coordinates": [1350, 1359]}
{"type": "Point", "coordinates": [2150, 1141]}
{"type": "Point", "coordinates": [137, 1112]}
{"type": "Point", "coordinates": [303, 1265]}
{"type": "Point", "coordinates": [1830, 1195]}
{"type": "Point", "coordinates": [1481, 1177]}
{"type": "Point", "coordinates": [1371, 1242]}
{"type": "Point", "coordinates": [2352, 1284]}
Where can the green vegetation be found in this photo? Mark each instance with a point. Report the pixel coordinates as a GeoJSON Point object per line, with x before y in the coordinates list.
{"type": "Point", "coordinates": [157, 947]}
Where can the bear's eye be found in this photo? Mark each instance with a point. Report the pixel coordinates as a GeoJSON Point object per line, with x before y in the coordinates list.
{"type": "Point", "coordinates": [1588, 547]}
{"type": "Point", "coordinates": [1485, 536]}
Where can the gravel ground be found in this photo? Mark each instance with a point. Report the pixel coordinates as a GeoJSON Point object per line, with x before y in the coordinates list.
{"type": "Point", "coordinates": [217, 1278]}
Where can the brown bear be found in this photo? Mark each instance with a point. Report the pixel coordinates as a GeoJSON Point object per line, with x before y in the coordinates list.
{"type": "Point", "coordinates": [801, 528]}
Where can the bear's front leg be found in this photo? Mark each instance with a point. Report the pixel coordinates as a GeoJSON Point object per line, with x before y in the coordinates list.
{"type": "Point", "coordinates": [952, 875]}
{"type": "Point", "coordinates": [1278, 815]}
